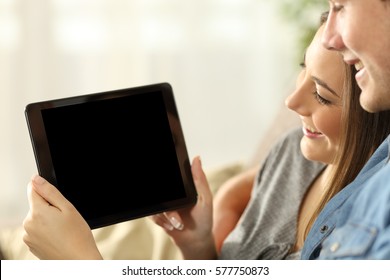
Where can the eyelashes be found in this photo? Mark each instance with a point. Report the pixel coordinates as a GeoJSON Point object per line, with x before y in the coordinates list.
{"type": "Point", "coordinates": [320, 99]}
{"type": "Point", "coordinates": [316, 94]}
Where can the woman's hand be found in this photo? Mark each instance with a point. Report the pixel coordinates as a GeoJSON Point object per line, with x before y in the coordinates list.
{"type": "Point", "coordinates": [191, 228]}
{"type": "Point", "coordinates": [54, 229]}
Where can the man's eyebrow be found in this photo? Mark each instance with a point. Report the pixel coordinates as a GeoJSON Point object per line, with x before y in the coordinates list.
{"type": "Point", "coordinates": [323, 84]}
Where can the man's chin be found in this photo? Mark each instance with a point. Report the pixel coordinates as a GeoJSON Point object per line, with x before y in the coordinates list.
{"type": "Point", "coordinates": [372, 103]}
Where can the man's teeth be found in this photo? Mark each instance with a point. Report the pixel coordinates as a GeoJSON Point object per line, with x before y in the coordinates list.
{"type": "Point", "coordinates": [359, 66]}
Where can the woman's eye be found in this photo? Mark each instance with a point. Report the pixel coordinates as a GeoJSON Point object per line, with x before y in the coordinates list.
{"type": "Point", "coordinates": [320, 99]}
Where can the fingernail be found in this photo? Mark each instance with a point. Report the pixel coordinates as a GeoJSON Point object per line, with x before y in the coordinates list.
{"type": "Point", "coordinates": [38, 180]}
{"type": "Point", "coordinates": [168, 226]}
{"type": "Point", "coordinates": [176, 224]}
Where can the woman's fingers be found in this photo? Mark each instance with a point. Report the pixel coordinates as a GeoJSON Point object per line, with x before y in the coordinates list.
{"type": "Point", "coordinates": [174, 219]}
{"type": "Point", "coordinates": [169, 221]}
{"type": "Point", "coordinates": [201, 183]}
{"type": "Point", "coordinates": [49, 194]}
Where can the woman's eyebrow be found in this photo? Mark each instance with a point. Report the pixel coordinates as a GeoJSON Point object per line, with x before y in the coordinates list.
{"type": "Point", "coordinates": [303, 63]}
{"type": "Point", "coordinates": [323, 84]}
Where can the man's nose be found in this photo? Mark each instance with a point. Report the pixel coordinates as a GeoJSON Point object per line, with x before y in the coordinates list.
{"type": "Point", "coordinates": [331, 38]}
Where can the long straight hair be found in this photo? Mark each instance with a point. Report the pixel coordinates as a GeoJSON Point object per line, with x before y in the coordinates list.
{"type": "Point", "coordinates": [361, 134]}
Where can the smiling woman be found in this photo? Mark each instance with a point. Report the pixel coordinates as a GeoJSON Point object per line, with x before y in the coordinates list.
{"type": "Point", "coordinates": [322, 77]}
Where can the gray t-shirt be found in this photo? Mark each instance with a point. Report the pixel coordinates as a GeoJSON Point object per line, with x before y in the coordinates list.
{"type": "Point", "coordinates": [268, 226]}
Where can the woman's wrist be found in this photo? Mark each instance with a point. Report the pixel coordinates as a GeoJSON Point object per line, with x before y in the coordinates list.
{"type": "Point", "coordinates": [201, 250]}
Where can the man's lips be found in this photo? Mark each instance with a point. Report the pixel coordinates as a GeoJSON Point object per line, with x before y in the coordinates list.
{"type": "Point", "coordinates": [361, 70]}
{"type": "Point", "coordinates": [359, 66]}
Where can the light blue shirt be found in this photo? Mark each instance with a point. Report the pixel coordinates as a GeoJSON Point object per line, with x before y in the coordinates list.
{"type": "Point", "coordinates": [355, 224]}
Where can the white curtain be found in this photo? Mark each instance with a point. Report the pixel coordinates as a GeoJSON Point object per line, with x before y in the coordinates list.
{"type": "Point", "coordinates": [230, 62]}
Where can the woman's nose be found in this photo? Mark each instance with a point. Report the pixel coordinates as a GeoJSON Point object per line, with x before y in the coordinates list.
{"type": "Point", "coordinates": [298, 102]}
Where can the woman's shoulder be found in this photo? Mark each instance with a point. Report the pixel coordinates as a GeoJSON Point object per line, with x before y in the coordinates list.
{"type": "Point", "coordinates": [289, 141]}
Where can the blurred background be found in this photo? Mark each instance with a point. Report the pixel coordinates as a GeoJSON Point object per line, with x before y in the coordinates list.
{"type": "Point", "coordinates": [231, 64]}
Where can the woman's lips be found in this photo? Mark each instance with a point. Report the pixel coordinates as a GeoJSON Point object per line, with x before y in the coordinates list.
{"type": "Point", "coordinates": [311, 134]}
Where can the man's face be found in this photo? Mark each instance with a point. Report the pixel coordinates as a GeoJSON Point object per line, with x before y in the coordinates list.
{"type": "Point", "coordinates": [360, 30]}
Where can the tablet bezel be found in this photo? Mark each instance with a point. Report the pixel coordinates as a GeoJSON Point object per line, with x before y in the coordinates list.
{"type": "Point", "coordinates": [35, 122]}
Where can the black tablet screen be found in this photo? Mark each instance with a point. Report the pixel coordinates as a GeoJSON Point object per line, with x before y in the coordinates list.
{"type": "Point", "coordinates": [109, 154]}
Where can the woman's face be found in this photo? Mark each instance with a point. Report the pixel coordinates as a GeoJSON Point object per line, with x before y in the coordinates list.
{"type": "Point", "coordinates": [317, 100]}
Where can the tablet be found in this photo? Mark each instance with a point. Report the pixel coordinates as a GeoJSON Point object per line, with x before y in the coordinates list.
{"type": "Point", "coordinates": [116, 155]}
